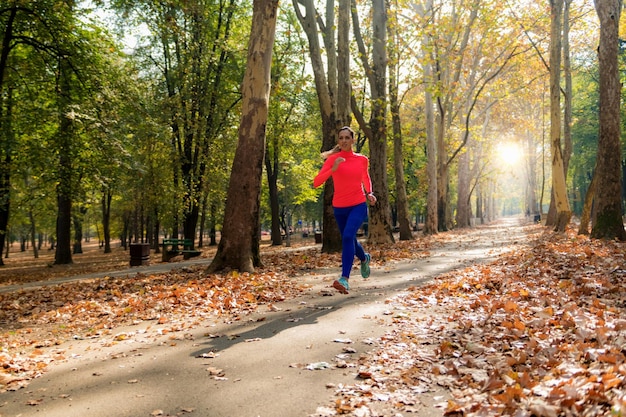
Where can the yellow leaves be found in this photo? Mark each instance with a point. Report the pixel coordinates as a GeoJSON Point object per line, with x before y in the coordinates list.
{"type": "Point", "coordinates": [510, 306]}
{"type": "Point", "coordinates": [248, 297]}
{"type": "Point", "coordinates": [510, 395]}
{"type": "Point", "coordinates": [514, 325]}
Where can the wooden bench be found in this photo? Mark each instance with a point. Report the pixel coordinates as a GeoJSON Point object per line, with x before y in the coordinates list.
{"type": "Point", "coordinates": [172, 248]}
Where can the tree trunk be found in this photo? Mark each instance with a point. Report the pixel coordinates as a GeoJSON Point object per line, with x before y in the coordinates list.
{"type": "Point", "coordinates": [479, 204]}
{"type": "Point", "coordinates": [531, 184]}
{"type": "Point", "coordinates": [344, 87]}
{"type": "Point", "coordinates": [239, 246]}
{"type": "Point", "coordinates": [402, 203]}
{"type": "Point", "coordinates": [608, 223]}
{"type": "Point", "coordinates": [6, 152]}
{"type": "Point", "coordinates": [271, 168]}
{"type": "Point", "coordinates": [78, 229]}
{"type": "Point", "coordinates": [156, 229]}
{"type": "Point", "coordinates": [379, 227]}
{"type": "Point", "coordinates": [442, 174]}
{"type": "Point", "coordinates": [63, 254]}
{"type": "Point", "coordinates": [559, 186]}
{"type": "Point", "coordinates": [5, 134]}
{"type": "Point", "coordinates": [463, 209]}
{"type": "Point", "coordinates": [567, 98]}
{"type": "Point", "coordinates": [430, 225]}
{"type": "Point", "coordinates": [190, 223]}
{"type": "Point", "coordinates": [212, 227]}
{"type": "Point", "coordinates": [202, 225]}
{"type": "Point", "coordinates": [106, 218]}
{"type": "Point", "coordinates": [585, 218]}
{"type": "Point", "coordinates": [33, 232]}
{"type": "Point", "coordinates": [326, 88]}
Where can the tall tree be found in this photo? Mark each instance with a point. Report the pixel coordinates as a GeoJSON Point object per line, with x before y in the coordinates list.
{"type": "Point", "coordinates": [6, 149]}
{"type": "Point", "coordinates": [402, 205]}
{"type": "Point", "coordinates": [608, 219]}
{"type": "Point", "coordinates": [327, 88]}
{"type": "Point", "coordinates": [425, 12]}
{"type": "Point", "coordinates": [286, 109]}
{"type": "Point", "coordinates": [559, 186]}
{"type": "Point", "coordinates": [39, 27]}
{"type": "Point", "coordinates": [375, 128]}
{"type": "Point", "coordinates": [239, 246]}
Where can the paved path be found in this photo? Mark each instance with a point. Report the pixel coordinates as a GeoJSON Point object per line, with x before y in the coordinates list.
{"type": "Point", "coordinates": [260, 362]}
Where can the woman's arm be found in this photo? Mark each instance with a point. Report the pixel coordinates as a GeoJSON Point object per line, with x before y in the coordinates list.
{"type": "Point", "coordinates": [324, 173]}
{"type": "Point", "coordinates": [365, 177]}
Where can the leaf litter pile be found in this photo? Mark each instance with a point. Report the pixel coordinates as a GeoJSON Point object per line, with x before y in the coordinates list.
{"type": "Point", "coordinates": [541, 331]}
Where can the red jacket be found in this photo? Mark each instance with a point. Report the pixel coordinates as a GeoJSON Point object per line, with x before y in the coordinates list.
{"type": "Point", "coordinates": [351, 179]}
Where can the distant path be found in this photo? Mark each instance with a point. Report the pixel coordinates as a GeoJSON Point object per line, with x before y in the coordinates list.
{"type": "Point", "coordinates": [249, 366]}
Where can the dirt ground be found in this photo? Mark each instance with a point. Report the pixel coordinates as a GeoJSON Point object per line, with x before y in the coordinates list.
{"type": "Point", "coordinates": [285, 359]}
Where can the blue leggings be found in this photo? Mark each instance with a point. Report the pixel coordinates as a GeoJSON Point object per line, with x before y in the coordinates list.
{"type": "Point", "coordinates": [349, 219]}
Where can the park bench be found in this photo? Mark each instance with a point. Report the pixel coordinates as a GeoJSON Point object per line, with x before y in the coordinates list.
{"type": "Point", "coordinates": [175, 247]}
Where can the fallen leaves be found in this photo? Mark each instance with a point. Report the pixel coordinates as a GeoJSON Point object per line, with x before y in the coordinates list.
{"type": "Point", "coordinates": [536, 332]}
{"type": "Point", "coordinates": [45, 317]}
{"type": "Point", "coordinates": [92, 308]}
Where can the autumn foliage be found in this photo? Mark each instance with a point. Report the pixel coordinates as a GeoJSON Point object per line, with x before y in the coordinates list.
{"type": "Point", "coordinates": [538, 331]}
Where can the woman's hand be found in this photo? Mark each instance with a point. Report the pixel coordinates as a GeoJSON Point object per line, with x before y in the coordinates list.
{"type": "Point", "coordinates": [338, 162]}
{"type": "Point", "coordinates": [371, 198]}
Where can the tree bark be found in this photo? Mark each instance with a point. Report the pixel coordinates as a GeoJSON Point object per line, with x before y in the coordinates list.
{"type": "Point", "coordinates": [239, 246]}
{"type": "Point", "coordinates": [585, 217]}
{"type": "Point", "coordinates": [430, 226]}
{"type": "Point", "coordinates": [63, 254]}
{"type": "Point", "coordinates": [402, 203]}
{"type": "Point", "coordinates": [567, 98]}
{"type": "Point", "coordinates": [531, 183]}
{"type": "Point", "coordinates": [105, 201]}
{"type": "Point", "coordinates": [559, 187]}
{"type": "Point", "coordinates": [271, 168]}
{"type": "Point", "coordinates": [608, 223]}
{"type": "Point", "coordinates": [78, 215]}
{"type": "Point", "coordinates": [5, 134]}
{"type": "Point", "coordinates": [326, 88]}
{"type": "Point", "coordinates": [379, 227]}
{"type": "Point", "coordinates": [463, 209]}
{"type": "Point", "coordinates": [33, 232]}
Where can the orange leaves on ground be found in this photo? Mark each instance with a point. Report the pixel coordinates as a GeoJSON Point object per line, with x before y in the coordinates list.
{"type": "Point", "coordinates": [46, 316]}
{"type": "Point", "coordinates": [540, 330]}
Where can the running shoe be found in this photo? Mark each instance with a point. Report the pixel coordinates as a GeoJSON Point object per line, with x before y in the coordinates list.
{"type": "Point", "coordinates": [341, 285]}
{"type": "Point", "coordinates": [365, 266]}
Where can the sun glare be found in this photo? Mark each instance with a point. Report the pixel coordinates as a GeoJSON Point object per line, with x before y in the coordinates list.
{"type": "Point", "coordinates": [509, 153]}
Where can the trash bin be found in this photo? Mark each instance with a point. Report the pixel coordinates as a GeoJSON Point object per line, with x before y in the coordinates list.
{"type": "Point", "coordinates": [139, 254]}
{"type": "Point", "coordinates": [318, 237]}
